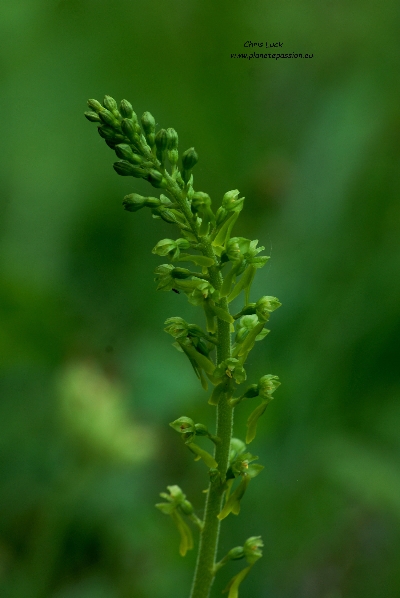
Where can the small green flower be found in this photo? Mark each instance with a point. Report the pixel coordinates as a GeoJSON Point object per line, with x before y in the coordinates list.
{"type": "Point", "coordinates": [231, 200]}
{"type": "Point", "coordinates": [183, 425]}
{"type": "Point", "coordinates": [232, 368]}
{"type": "Point", "coordinates": [231, 203]}
{"type": "Point", "coordinates": [170, 248]}
{"type": "Point", "coordinates": [267, 385]}
{"type": "Point", "coordinates": [265, 306]}
{"type": "Point", "coordinates": [245, 325]}
{"type": "Point", "coordinates": [176, 501]}
{"type": "Point", "coordinates": [251, 549]}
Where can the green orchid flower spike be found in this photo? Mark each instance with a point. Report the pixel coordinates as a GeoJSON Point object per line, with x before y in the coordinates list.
{"type": "Point", "coordinates": [222, 270]}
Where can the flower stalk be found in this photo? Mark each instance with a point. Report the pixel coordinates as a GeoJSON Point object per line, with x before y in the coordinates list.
{"type": "Point", "coordinates": [227, 266]}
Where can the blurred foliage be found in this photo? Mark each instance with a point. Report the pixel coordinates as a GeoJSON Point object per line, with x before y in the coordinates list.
{"type": "Point", "coordinates": [314, 147]}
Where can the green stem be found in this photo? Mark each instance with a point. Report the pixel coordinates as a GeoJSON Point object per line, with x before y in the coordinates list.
{"type": "Point", "coordinates": [206, 558]}
{"type": "Point", "coordinates": [205, 566]}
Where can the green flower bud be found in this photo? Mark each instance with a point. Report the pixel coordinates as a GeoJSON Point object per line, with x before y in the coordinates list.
{"type": "Point", "coordinates": [95, 105]}
{"type": "Point", "coordinates": [93, 117]}
{"type": "Point", "coordinates": [124, 151]}
{"type": "Point", "coordinates": [173, 156]}
{"type": "Point", "coordinates": [126, 109]}
{"type": "Point", "coordinates": [156, 179]}
{"type": "Point", "coordinates": [149, 127]}
{"type": "Point", "coordinates": [236, 553]}
{"type": "Point", "coordinates": [166, 214]}
{"type": "Point", "coordinates": [186, 507]}
{"type": "Point", "coordinates": [172, 139]}
{"type": "Point", "coordinates": [125, 168]}
{"type": "Point", "coordinates": [148, 123]}
{"type": "Point", "coordinates": [133, 202]}
{"type": "Point", "coordinates": [108, 118]}
{"type": "Point", "coordinates": [161, 140]}
{"type": "Point", "coordinates": [129, 130]}
{"type": "Point", "coordinates": [106, 133]}
{"type": "Point", "coordinates": [153, 202]}
{"type": "Point", "coordinates": [189, 159]}
{"type": "Point", "coordinates": [110, 104]}
{"type": "Point", "coordinates": [180, 273]}
{"type": "Point", "coordinates": [201, 430]}
{"type": "Point", "coordinates": [251, 392]}
{"type": "Point", "coordinates": [252, 548]}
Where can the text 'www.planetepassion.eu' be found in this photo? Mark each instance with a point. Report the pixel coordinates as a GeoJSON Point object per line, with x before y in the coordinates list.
{"type": "Point", "coordinates": [275, 55]}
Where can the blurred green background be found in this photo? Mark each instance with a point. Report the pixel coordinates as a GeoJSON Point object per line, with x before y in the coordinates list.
{"type": "Point", "coordinates": [89, 380]}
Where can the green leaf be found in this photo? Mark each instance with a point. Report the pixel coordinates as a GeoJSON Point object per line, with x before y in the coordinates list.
{"type": "Point", "coordinates": [166, 507]}
{"type": "Point", "coordinates": [224, 232]}
{"type": "Point", "coordinates": [253, 420]}
{"type": "Point", "coordinates": [221, 313]}
{"type": "Point", "coordinates": [250, 339]}
{"type": "Point", "coordinates": [232, 505]}
{"type": "Point", "coordinates": [185, 532]}
{"type": "Point", "coordinates": [199, 260]}
{"type": "Point", "coordinates": [202, 454]}
{"type": "Point", "coordinates": [233, 585]}
{"type": "Point", "coordinates": [254, 469]}
{"type": "Point", "coordinates": [201, 360]}
{"type": "Point", "coordinates": [229, 280]}
{"type": "Point", "coordinates": [217, 393]}
{"type": "Point", "coordinates": [244, 283]}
